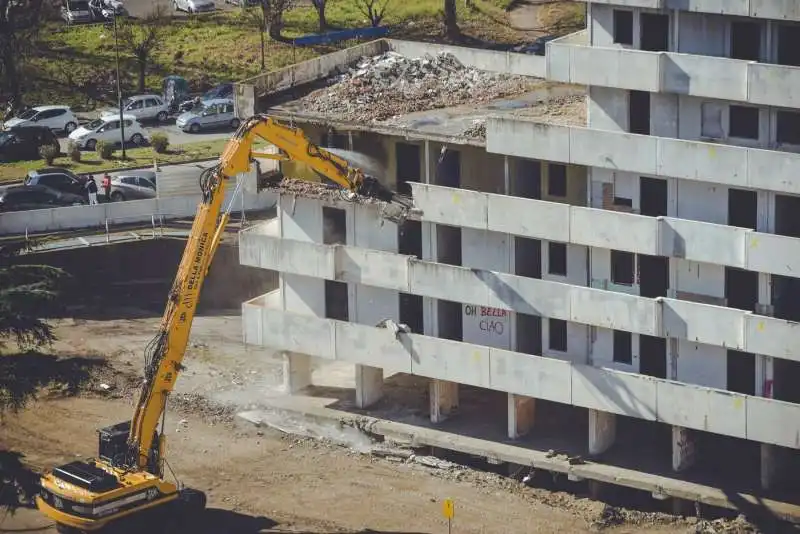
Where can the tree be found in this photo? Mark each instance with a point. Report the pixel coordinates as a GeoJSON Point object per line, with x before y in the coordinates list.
{"type": "Point", "coordinates": [142, 39]}
{"type": "Point", "coordinates": [451, 20]}
{"type": "Point", "coordinates": [374, 10]}
{"type": "Point", "coordinates": [20, 21]}
{"type": "Point", "coordinates": [320, 6]}
{"type": "Point", "coordinates": [26, 291]}
{"type": "Point", "coordinates": [269, 21]}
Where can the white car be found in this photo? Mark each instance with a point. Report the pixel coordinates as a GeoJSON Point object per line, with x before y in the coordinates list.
{"type": "Point", "coordinates": [194, 6]}
{"type": "Point", "coordinates": [143, 108]}
{"type": "Point", "coordinates": [57, 118]}
{"type": "Point", "coordinates": [108, 129]}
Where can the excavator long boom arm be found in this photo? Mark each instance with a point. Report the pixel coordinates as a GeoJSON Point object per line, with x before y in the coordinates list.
{"type": "Point", "coordinates": [165, 353]}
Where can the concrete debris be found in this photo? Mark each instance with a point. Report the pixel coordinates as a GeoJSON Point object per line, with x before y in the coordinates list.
{"type": "Point", "coordinates": [434, 462]}
{"type": "Point", "coordinates": [740, 525]}
{"type": "Point", "coordinates": [477, 130]}
{"type": "Point", "coordinates": [391, 84]}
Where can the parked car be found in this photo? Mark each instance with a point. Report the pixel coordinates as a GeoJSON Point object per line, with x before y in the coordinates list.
{"type": "Point", "coordinates": [223, 90]}
{"type": "Point", "coordinates": [108, 129]}
{"type": "Point", "coordinates": [133, 185]}
{"type": "Point", "coordinates": [194, 6]}
{"type": "Point", "coordinates": [243, 3]}
{"type": "Point", "coordinates": [57, 179]}
{"type": "Point", "coordinates": [23, 142]}
{"type": "Point", "coordinates": [35, 197]}
{"type": "Point", "coordinates": [75, 11]}
{"type": "Point", "coordinates": [216, 113]}
{"type": "Point", "coordinates": [537, 48]}
{"type": "Point", "coordinates": [142, 108]}
{"type": "Point", "coordinates": [106, 10]}
{"type": "Point", "coordinates": [57, 118]}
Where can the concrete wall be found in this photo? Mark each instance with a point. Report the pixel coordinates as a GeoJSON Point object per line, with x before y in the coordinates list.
{"type": "Point", "coordinates": [694, 407]}
{"type": "Point", "coordinates": [735, 166]}
{"type": "Point", "coordinates": [672, 72]}
{"type": "Point", "coordinates": [604, 229]}
{"type": "Point", "coordinates": [118, 213]}
{"type": "Point", "coordinates": [665, 317]}
{"type": "Point", "coordinates": [767, 9]}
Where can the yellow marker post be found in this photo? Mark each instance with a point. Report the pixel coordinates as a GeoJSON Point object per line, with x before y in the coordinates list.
{"type": "Point", "coordinates": [449, 511]}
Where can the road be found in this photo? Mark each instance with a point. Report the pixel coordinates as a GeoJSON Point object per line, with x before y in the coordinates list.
{"type": "Point", "coordinates": [176, 137]}
{"type": "Point", "coordinates": [141, 8]}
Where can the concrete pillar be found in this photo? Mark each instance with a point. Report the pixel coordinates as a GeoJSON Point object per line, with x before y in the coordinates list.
{"type": "Point", "coordinates": [602, 431]}
{"type": "Point", "coordinates": [444, 399]}
{"type": "Point", "coordinates": [296, 372]}
{"type": "Point", "coordinates": [521, 415]}
{"type": "Point", "coordinates": [684, 452]}
{"type": "Point", "coordinates": [369, 385]}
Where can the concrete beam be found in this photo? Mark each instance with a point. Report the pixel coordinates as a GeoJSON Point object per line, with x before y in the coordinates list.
{"type": "Point", "coordinates": [521, 415]}
{"type": "Point", "coordinates": [602, 431]}
{"type": "Point", "coordinates": [684, 450]}
{"type": "Point", "coordinates": [369, 385]}
{"type": "Point", "coordinates": [443, 398]}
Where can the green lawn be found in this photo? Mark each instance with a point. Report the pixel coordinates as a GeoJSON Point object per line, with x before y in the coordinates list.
{"type": "Point", "coordinates": [225, 46]}
{"type": "Point", "coordinates": [136, 157]}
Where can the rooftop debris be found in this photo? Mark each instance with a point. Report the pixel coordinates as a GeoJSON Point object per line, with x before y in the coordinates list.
{"type": "Point", "coordinates": [382, 87]}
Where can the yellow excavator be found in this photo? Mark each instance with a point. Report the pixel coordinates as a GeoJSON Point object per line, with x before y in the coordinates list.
{"type": "Point", "coordinates": [125, 489]}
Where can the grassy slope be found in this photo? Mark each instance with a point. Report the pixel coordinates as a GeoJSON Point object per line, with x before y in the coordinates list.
{"type": "Point", "coordinates": [226, 46]}
{"type": "Point", "coordinates": [136, 157]}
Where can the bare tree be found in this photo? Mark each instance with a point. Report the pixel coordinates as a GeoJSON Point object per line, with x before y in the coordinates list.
{"type": "Point", "coordinates": [451, 20]}
{"type": "Point", "coordinates": [320, 6]}
{"type": "Point", "coordinates": [20, 21]}
{"type": "Point", "coordinates": [374, 10]}
{"type": "Point", "coordinates": [142, 39]}
{"type": "Point", "coordinates": [268, 18]}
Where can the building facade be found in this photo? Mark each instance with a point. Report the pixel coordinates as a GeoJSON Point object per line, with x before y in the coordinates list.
{"type": "Point", "coordinates": [640, 268]}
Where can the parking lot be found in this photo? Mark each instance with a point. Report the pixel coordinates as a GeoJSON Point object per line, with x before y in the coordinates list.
{"type": "Point", "coordinates": [176, 137]}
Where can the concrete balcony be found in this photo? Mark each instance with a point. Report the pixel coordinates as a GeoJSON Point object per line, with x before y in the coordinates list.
{"type": "Point", "coordinates": [656, 236]}
{"type": "Point", "coordinates": [572, 60]}
{"type": "Point", "coordinates": [632, 395]}
{"type": "Point", "coordinates": [733, 166]}
{"type": "Point", "coordinates": [765, 9]}
{"type": "Point", "coordinates": [664, 317]}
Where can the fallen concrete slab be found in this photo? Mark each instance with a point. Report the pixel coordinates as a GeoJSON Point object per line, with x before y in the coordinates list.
{"type": "Point", "coordinates": [315, 411]}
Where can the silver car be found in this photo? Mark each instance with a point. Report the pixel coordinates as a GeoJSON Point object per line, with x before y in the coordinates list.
{"type": "Point", "coordinates": [209, 114]}
{"type": "Point", "coordinates": [133, 185]}
{"type": "Point", "coordinates": [194, 6]}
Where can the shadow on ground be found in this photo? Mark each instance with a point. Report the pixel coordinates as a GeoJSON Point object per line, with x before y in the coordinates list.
{"type": "Point", "coordinates": [24, 375]}
{"type": "Point", "coordinates": [216, 521]}
{"type": "Point", "coordinates": [18, 484]}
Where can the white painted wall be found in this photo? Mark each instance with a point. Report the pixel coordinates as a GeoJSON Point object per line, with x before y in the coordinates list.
{"type": "Point", "coordinates": [373, 304]}
{"type": "Point", "coordinates": [702, 34]}
{"type": "Point", "coordinates": [702, 201]}
{"type": "Point", "coordinates": [699, 278]}
{"type": "Point", "coordinates": [608, 109]}
{"type": "Point", "coordinates": [301, 219]}
{"type": "Point", "coordinates": [702, 365]}
{"type": "Point", "coordinates": [602, 351]}
{"type": "Point", "coordinates": [482, 325]}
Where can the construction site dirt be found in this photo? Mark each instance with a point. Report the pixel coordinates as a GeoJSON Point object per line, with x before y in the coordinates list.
{"type": "Point", "coordinates": [261, 480]}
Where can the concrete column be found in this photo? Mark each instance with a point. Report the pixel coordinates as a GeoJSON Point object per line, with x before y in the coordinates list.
{"type": "Point", "coordinates": [602, 431]}
{"type": "Point", "coordinates": [521, 415]}
{"type": "Point", "coordinates": [444, 399]}
{"type": "Point", "coordinates": [369, 385]}
{"type": "Point", "coordinates": [296, 372]}
{"type": "Point", "coordinates": [684, 452]}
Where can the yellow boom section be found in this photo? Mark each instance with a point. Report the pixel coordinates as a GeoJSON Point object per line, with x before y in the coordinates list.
{"type": "Point", "coordinates": [166, 351]}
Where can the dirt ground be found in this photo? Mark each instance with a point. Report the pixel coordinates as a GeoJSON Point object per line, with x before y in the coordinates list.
{"type": "Point", "coordinates": [260, 480]}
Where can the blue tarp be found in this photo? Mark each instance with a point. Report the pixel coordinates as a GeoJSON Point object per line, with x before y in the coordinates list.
{"type": "Point", "coordinates": [342, 35]}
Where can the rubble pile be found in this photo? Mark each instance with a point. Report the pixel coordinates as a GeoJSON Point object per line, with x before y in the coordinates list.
{"type": "Point", "coordinates": [477, 130]}
{"type": "Point", "coordinates": [384, 86]}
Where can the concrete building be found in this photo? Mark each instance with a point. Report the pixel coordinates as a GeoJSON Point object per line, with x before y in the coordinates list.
{"type": "Point", "coordinates": [621, 288]}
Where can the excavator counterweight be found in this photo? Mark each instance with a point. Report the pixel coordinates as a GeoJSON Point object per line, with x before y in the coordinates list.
{"type": "Point", "coordinates": [125, 485]}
